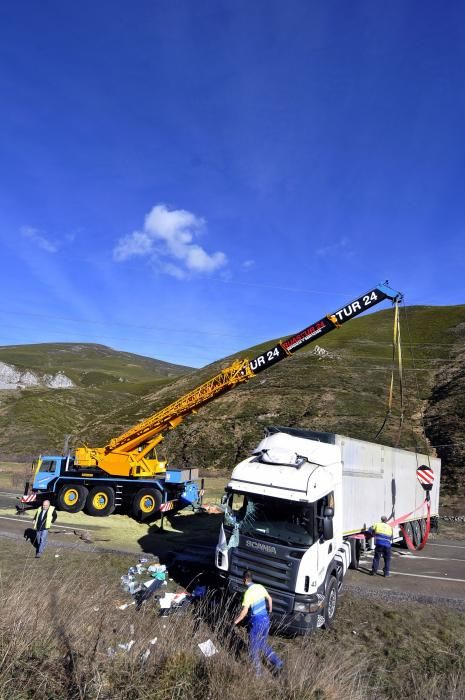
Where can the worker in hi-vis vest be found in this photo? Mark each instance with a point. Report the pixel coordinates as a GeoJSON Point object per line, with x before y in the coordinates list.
{"type": "Point", "coordinates": [383, 543]}
{"type": "Point", "coordinates": [254, 604]}
{"type": "Point", "coordinates": [43, 519]}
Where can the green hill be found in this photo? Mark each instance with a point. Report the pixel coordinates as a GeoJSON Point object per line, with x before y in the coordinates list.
{"type": "Point", "coordinates": [88, 364]}
{"type": "Point", "coordinates": [342, 388]}
{"type": "Point", "coordinates": [36, 419]}
{"type": "Point", "coordinates": [344, 391]}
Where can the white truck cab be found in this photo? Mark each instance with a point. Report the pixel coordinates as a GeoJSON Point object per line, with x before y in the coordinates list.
{"type": "Point", "coordinates": [286, 520]}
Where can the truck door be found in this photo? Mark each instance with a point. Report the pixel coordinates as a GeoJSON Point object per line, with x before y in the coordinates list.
{"type": "Point", "coordinates": [47, 469]}
{"type": "Point", "coordinates": [325, 546]}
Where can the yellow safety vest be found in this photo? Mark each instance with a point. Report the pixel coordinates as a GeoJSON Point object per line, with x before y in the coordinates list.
{"type": "Point", "coordinates": [383, 534]}
{"type": "Point", "coordinates": [48, 517]}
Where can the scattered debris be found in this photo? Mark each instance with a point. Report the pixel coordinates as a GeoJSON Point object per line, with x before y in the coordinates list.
{"type": "Point", "coordinates": [199, 592]}
{"type": "Point", "coordinates": [128, 646]}
{"type": "Point", "coordinates": [145, 593]}
{"type": "Point", "coordinates": [171, 601]}
{"type": "Point", "coordinates": [207, 648]}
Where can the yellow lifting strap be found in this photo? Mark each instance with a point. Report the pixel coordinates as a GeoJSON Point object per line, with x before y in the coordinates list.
{"type": "Point", "coordinates": [396, 353]}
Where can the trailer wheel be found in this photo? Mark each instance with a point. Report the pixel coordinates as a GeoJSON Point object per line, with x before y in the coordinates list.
{"type": "Point", "coordinates": [100, 501]}
{"type": "Point", "coordinates": [409, 532]}
{"type": "Point", "coordinates": [146, 503]}
{"type": "Point", "coordinates": [72, 498]}
{"type": "Point", "coordinates": [416, 532]}
{"type": "Point", "coordinates": [355, 549]}
{"type": "Point", "coordinates": [330, 602]}
{"type": "Point", "coordinates": [422, 522]}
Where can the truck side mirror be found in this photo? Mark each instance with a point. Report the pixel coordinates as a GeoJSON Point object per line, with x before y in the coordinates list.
{"type": "Point", "coordinates": [328, 527]}
{"type": "Point", "coordinates": [328, 514]}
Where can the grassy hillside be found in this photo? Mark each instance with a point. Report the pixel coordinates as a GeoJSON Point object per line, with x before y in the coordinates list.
{"type": "Point", "coordinates": [345, 391]}
{"type": "Point", "coordinates": [88, 364]}
{"type": "Point", "coordinates": [36, 419]}
{"type": "Point", "coordinates": [68, 648]}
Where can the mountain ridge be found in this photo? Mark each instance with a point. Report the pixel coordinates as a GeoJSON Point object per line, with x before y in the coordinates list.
{"type": "Point", "coordinates": [340, 388]}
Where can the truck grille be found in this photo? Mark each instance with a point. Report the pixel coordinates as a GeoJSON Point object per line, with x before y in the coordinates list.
{"type": "Point", "coordinates": [274, 566]}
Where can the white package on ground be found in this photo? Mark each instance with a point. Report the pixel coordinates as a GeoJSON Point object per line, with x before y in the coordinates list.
{"type": "Point", "coordinates": [208, 648]}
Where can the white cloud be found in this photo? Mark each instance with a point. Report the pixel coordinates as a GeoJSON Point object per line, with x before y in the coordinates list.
{"type": "Point", "coordinates": [137, 243]}
{"type": "Point", "coordinates": [248, 264]}
{"type": "Point", "coordinates": [168, 239]}
{"type": "Point", "coordinates": [34, 235]}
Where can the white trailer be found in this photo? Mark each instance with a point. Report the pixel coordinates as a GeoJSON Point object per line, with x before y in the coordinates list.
{"type": "Point", "coordinates": [292, 510]}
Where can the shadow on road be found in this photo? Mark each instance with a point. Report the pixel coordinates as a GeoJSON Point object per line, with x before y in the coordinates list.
{"type": "Point", "coordinates": [187, 547]}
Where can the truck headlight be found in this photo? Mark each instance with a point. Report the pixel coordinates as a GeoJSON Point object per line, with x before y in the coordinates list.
{"type": "Point", "coordinates": [307, 606]}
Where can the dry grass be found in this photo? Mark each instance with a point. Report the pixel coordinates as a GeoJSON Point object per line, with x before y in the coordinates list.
{"type": "Point", "coordinates": [60, 617]}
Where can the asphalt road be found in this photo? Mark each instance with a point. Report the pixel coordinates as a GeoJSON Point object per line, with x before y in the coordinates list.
{"type": "Point", "coordinates": [436, 574]}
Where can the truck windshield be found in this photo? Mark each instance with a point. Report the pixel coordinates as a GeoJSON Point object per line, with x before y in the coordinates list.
{"type": "Point", "coordinates": [281, 521]}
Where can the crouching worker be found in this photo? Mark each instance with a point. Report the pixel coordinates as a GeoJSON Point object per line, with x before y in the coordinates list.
{"type": "Point", "coordinates": [254, 604]}
{"type": "Point", "coordinates": [43, 519]}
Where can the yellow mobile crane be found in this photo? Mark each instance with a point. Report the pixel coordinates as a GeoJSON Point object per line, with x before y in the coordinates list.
{"type": "Point", "coordinates": [127, 473]}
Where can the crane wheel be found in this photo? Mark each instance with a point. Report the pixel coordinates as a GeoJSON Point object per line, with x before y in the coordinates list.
{"type": "Point", "coordinates": [72, 498]}
{"type": "Point", "coordinates": [146, 504]}
{"type": "Point", "coordinates": [100, 501]}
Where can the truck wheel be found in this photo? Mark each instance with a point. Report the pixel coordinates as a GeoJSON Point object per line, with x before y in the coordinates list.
{"type": "Point", "coordinates": [355, 549]}
{"type": "Point", "coordinates": [100, 501]}
{"type": "Point", "coordinates": [330, 602]}
{"type": "Point", "coordinates": [409, 532]}
{"type": "Point", "coordinates": [146, 503]}
{"type": "Point", "coordinates": [416, 532]}
{"type": "Point", "coordinates": [72, 498]}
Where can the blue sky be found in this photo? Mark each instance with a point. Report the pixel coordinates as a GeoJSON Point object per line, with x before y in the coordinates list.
{"type": "Point", "coordinates": [184, 179]}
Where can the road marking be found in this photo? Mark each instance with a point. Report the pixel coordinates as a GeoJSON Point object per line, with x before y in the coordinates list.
{"type": "Point", "coordinates": [412, 556]}
{"type": "Point", "coordinates": [422, 558]}
{"type": "Point", "coordinates": [437, 578]}
{"type": "Point", "coordinates": [27, 520]}
{"type": "Point", "coordinates": [437, 544]}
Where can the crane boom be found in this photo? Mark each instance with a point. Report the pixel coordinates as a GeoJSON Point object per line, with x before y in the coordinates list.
{"type": "Point", "coordinates": [128, 454]}
{"type": "Point", "coordinates": [170, 416]}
